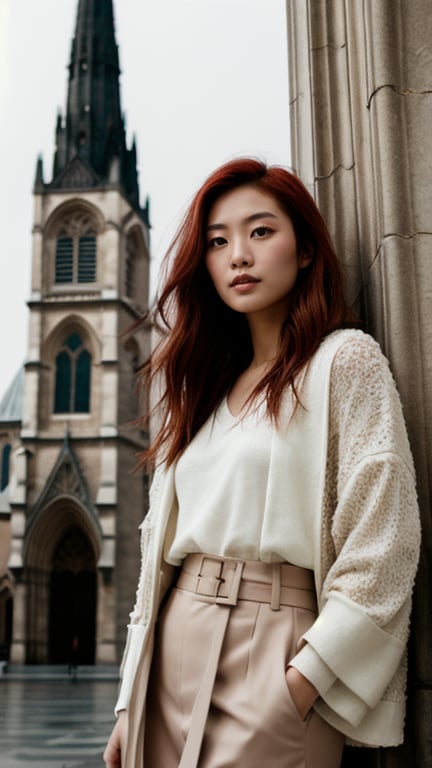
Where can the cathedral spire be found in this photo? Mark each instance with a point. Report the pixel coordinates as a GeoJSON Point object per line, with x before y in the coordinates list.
{"type": "Point", "coordinates": [94, 126]}
{"type": "Point", "coordinates": [91, 140]}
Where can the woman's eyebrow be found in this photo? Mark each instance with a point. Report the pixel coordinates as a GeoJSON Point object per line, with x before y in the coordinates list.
{"type": "Point", "coordinates": [247, 220]}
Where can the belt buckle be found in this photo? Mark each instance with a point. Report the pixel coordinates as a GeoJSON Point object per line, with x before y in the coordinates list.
{"type": "Point", "coordinates": [233, 584]}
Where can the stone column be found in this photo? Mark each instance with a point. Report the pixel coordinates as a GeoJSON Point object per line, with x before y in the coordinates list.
{"type": "Point", "coordinates": [361, 116]}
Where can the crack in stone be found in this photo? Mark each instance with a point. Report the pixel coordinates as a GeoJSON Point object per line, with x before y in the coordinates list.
{"type": "Point", "coordinates": [404, 236]}
{"type": "Point", "coordinates": [395, 234]}
{"type": "Point", "coordinates": [401, 92]}
{"type": "Point", "coordinates": [334, 46]}
{"type": "Point", "coordinates": [332, 173]}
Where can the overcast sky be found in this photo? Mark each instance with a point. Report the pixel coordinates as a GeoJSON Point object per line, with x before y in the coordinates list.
{"type": "Point", "coordinates": [202, 81]}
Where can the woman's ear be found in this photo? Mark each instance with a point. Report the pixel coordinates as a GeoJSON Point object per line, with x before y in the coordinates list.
{"type": "Point", "coordinates": [304, 258]}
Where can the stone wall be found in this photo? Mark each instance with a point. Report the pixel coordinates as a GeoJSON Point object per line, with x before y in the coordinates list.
{"type": "Point", "coordinates": [361, 115]}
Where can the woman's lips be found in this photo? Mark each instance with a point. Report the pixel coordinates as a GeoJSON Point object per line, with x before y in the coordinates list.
{"type": "Point", "coordinates": [243, 282]}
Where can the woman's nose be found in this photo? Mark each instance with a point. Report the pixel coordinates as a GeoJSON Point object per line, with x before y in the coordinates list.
{"type": "Point", "coordinates": [241, 256]}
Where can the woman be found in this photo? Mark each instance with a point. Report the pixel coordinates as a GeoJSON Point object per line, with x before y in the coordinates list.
{"type": "Point", "coordinates": [283, 532]}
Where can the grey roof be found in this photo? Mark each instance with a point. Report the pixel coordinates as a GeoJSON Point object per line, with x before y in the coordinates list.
{"type": "Point", "coordinates": [11, 405]}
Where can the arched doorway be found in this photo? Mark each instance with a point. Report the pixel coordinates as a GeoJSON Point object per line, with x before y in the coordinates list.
{"type": "Point", "coordinates": [6, 621]}
{"type": "Point", "coordinates": [72, 607]}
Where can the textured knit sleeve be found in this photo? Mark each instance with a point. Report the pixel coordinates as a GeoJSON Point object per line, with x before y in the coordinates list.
{"type": "Point", "coordinates": [139, 617]}
{"type": "Point", "coordinates": [355, 649]}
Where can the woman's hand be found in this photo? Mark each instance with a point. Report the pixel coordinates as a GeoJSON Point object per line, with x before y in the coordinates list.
{"type": "Point", "coordinates": [115, 747]}
{"type": "Point", "coordinates": [303, 693]}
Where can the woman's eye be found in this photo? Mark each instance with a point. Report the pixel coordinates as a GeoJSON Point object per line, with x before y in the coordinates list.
{"type": "Point", "coordinates": [261, 231]}
{"type": "Point", "coordinates": [216, 242]}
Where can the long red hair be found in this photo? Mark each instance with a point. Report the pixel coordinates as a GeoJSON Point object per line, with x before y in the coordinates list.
{"type": "Point", "coordinates": [204, 344]}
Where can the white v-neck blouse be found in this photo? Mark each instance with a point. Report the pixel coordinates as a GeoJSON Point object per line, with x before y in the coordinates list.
{"type": "Point", "coordinates": [221, 485]}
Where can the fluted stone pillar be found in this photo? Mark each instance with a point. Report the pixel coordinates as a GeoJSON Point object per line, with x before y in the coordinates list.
{"type": "Point", "coordinates": [361, 124]}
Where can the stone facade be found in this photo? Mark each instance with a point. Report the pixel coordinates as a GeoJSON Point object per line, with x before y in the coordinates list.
{"type": "Point", "coordinates": [72, 500]}
{"type": "Point", "coordinates": [100, 495]}
{"type": "Point", "coordinates": [361, 110]}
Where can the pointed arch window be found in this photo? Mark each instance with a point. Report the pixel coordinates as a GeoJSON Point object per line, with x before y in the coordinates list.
{"type": "Point", "coordinates": [131, 258]}
{"type": "Point", "coordinates": [72, 377]}
{"type": "Point", "coordinates": [76, 251]}
{"type": "Point", "coordinates": [5, 466]}
{"type": "Point", "coordinates": [136, 270]}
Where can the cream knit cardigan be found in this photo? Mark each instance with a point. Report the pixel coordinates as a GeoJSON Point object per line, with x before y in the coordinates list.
{"type": "Point", "coordinates": [344, 466]}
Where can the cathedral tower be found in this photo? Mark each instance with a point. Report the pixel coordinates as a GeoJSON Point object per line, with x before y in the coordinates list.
{"type": "Point", "coordinates": [75, 501]}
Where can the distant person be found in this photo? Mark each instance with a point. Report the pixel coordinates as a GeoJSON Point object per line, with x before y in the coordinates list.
{"type": "Point", "coordinates": [281, 545]}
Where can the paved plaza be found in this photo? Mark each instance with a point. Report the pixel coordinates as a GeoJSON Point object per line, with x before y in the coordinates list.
{"type": "Point", "coordinates": [54, 722]}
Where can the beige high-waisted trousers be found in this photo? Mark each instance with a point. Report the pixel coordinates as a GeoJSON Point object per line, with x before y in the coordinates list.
{"type": "Point", "coordinates": [217, 694]}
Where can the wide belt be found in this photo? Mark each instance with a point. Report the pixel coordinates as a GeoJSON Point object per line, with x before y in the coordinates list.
{"type": "Point", "coordinates": [225, 582]}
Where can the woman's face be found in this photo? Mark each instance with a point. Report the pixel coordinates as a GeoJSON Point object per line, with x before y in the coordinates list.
{"type": "Point", "coordinates": [252, 252]}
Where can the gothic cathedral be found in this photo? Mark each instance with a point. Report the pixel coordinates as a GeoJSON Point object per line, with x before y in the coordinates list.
{"type": "Point", "coordinates": [70, 502]}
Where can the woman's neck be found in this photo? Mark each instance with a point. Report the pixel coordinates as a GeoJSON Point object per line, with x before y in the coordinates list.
{"type": "Point", "coordinates": [265, 336]}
